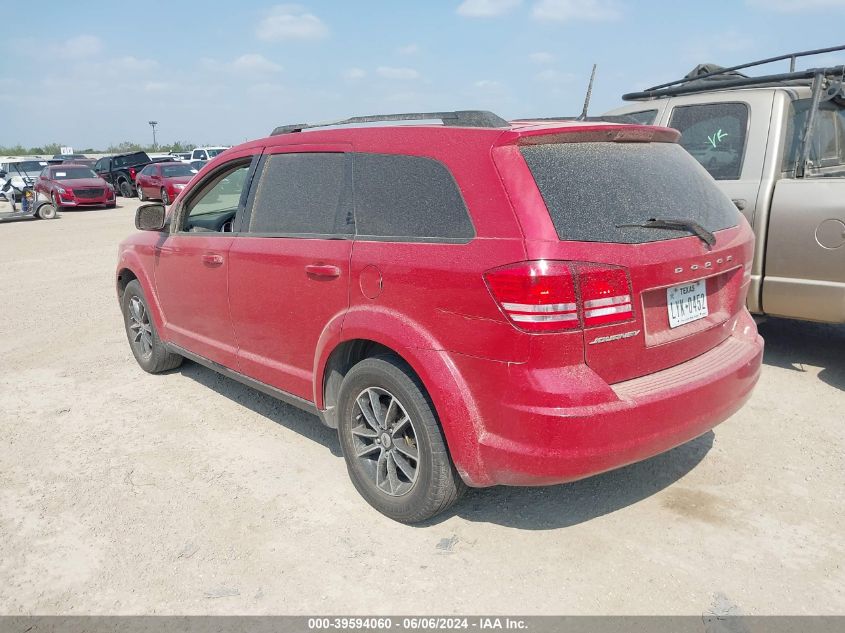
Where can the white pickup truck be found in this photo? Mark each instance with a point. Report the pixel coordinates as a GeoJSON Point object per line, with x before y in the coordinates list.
{"type": "Point", "coordinates": [776, 146]}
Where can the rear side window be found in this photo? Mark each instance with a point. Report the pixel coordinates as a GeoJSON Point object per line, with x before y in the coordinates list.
{"type": "Point", "coordinates": [408, 198]}
{"type": "Point", "coordinates": [592, 189]}
{"type": "Point", "coordinates": [303, 194]}
{"type": "Point", "coordinates": [714, 134]}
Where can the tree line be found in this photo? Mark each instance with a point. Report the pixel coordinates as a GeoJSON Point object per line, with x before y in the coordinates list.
{"type": "Point", "coordinates": [50, 149]}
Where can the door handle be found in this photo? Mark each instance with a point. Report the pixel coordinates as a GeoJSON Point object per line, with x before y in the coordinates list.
{"type": "Point", "coordinates": [322, 270]}
{"type": "Point", "coordinates": [212, 259]}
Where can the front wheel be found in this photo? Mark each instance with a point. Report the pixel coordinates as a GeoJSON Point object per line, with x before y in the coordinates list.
{"type": "Point", "coordinates": [140, 191]}
{"type": "Point", "coordinates": [394, 448]}
{"type": "Point", "coordinates": [146, 346]}
{"type": "Point", "coordinates": [46, 211]}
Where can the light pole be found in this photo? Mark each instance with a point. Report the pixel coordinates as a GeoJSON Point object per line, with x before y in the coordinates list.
{"type": "Point", "coordinates": [153, 125]}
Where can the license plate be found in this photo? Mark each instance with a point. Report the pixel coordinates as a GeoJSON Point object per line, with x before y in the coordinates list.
{"type": "Point", "coordinates": [686, 303]}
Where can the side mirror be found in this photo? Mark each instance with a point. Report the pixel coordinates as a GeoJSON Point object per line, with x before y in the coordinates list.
{"type": "Point", "coordinates": [2, 174]}
{"type": "Point", "coordinates": [150, 217]}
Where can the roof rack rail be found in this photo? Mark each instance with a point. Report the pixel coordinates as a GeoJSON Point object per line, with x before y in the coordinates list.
{"type": "Point", "coordinates": [604, 118]}
{"type": "Point", "coordinates": [458, 118]}
{"type": "Point", "coordinates": [728, 78]}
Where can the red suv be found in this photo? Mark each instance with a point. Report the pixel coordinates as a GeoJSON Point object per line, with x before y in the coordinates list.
{"type": "Point", "coordinates": [474, 303]}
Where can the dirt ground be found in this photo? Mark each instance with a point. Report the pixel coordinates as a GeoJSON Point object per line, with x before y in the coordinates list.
{"type": "Point", "coordinates": [125, 493]}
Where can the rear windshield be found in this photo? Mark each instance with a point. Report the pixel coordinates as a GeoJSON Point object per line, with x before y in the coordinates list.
{"type": "Point", "coordinates": [214, 152]}
{"type": "Point", "coordinates": [131, 159]}
{"type": "Point", "coordinates": [590, 189]}
{"type": "Point", "coordinates": [174, 171]}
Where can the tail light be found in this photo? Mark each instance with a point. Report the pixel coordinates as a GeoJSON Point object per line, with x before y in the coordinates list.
{"type": "Point", "coordinates": [132, 173]}
{"type": "Point", "coordinates": [555, 296]}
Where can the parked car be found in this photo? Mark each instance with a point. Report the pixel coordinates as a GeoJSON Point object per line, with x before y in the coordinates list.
{"type": "Point", "coordinates": [163, 181]}
{"type": "Point", "coordinates": [121, 170]}
{"type": "Point", "coordinates": [206, 153]}
{"type": "Point", "coordinates": [467, 304]}
{"type": "Point", "coordinates": [23, 173]}
{"type": "Point", "coordinates": [197, 164]}
{"type": "Point", "coordinates": [748, 133]}
{"type": "Point", "coordinates": [69, 185]}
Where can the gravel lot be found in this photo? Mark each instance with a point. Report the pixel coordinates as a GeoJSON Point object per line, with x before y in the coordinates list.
{"type": "Point", "coordinates": [188, 493]}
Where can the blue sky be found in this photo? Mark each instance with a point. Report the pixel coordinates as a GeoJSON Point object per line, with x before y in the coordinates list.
{"type": "Point", "coordinates": [214, 72]}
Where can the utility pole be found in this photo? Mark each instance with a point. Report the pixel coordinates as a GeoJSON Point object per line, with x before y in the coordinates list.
{"type": "Point", "coordinates": [153, 125]}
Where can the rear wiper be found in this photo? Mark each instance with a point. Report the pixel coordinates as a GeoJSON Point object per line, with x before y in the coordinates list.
{"type": "Point", "coordinates": [693, 227]}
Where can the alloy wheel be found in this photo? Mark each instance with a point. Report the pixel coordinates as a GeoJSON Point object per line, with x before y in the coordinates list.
{"type": "Point", "coordinates": [140, 328]}
{"type": "Point", "coordinates": [385, 441]}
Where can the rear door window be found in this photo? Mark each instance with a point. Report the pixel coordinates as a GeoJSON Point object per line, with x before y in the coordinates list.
{"type": "Point", "coordinates": [303, 194]}
{"type": "Point", "coordinates": [592, 190]}
{"type": "Point", "coordinates": [715, 135]}
{"type": "Point", "coordinates": [408, 198]}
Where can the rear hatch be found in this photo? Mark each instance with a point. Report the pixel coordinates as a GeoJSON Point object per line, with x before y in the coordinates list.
{"type": "Point", "coordinates": [656, 252]}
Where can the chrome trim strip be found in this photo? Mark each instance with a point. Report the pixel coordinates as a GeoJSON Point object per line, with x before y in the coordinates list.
{"type": "Point", "coordinates": [609, 301]}
{"type": "Point", "coordinates": [543, 318]}
{"type": "Point", "coordinates": [605, 311]}
{"type": "Point", "coordinates": [549, 307]}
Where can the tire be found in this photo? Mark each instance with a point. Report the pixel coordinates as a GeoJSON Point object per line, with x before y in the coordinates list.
{"type": "Point", "coordinates": [55, 200]}
{"type": "Point", "coordinates": [386, 478]}
{"type": "Point", "coordinates": [47, 211]}
{"type": "Point", "coordinates": [165, 199]}
{"type": "Point", "coordinates": [125, 188]}
{"type": "Point", "coordinates": [141, 195]}
{"type": "Point", "coordinates": [148, 349]}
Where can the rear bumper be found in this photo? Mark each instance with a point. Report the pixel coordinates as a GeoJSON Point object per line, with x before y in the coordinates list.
{"type": "Point", "coordinates": [524, 444]}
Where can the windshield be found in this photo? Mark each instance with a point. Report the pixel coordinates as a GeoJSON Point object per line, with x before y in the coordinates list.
{"type": "Point", "coordinates": [215, 152]}
{"type": "Point", "coordinates": [73, 173]}
{"type": "Point", "coordinates": [175, 171]}
{"type": "Point", "coordinates": [593, 190]}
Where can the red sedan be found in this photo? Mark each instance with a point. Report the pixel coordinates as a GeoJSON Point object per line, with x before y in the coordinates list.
{"type": "Point", "coordinates": [163, 181]}
{"type": "Point", "coordinates": [73, 185]}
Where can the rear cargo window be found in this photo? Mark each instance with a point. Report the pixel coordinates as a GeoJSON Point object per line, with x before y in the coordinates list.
{"type": "Point", "coordinates": [408, 198]}
{"type": "Point", "coordinates": [590, 189]}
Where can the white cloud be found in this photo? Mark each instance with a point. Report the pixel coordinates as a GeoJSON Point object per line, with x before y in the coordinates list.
{"type": "Point", "coordinates": [487, 84]}
{"type": "Point", "coordinates": [131, 64]}
{"type": "Point", "coordinates": [80, 47]}
{"type": "Point", "coordinates": [410, 49]}
{"type": "Point", "coordinates": [251, 64]}
{"type": "Point", "coordinates": [254, 63]}
{"type": "Point", "coordinates": [486, 8]}
{"type": "Point", "coordinates": [390, 72]}
{"type": "Point", "coordinates": [354, 74]}
{"type": "Point", "coordinates": [541, 58]}
{"type": "Point", "coordinates": [554, 76]}
{"type": "Point", "coordinates": [569, 10]}
{"type": "Point", "coordinates": [291, 22]}
{"type": "Point", "coordinates": [795, 6]}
